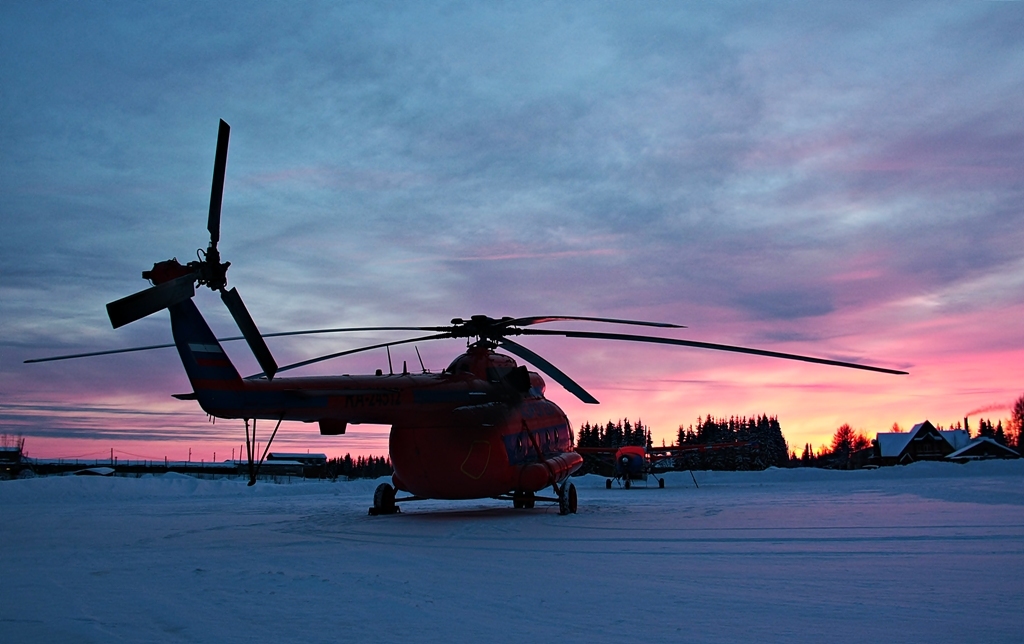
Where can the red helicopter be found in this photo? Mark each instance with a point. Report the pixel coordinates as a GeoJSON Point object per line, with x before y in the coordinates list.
{"type": "Point", "coordinates": [628, 463]}
{"type": "Point", "coordinates": [481, 428]}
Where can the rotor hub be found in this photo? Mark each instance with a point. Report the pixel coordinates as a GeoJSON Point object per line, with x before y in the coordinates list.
{"type": "Point", "coordinates": [210, 270]}
{"type": "Point", "coordinates": [484, 327]}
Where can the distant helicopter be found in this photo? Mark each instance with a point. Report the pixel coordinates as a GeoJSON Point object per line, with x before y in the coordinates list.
{"type": "Point", "coordinates": [481, 428]}
{"type": "Point", "coordinates": [627, 463]}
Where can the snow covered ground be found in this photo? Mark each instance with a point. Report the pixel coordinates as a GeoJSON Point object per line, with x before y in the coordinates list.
{"type": "Point", "coordinates": [926, 553]}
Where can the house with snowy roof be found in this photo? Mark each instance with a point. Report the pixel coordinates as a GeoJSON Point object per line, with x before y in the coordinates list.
{"type": "Point", "coordinates": [313, 465]}
{"type": "Point", "coordinates": [926, 443]}
{"type": "Point", "coordinates": [922, 443]}
{"type": "Point", "coordinates": [981, 448]}
{"type": "Point", "coordinates": [305, 459]}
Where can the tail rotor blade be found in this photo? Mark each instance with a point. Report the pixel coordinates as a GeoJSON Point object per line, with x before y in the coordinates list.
{"type": "Point", "coordinates": [139, 305]}
{"type": "Point", "coordinates": [248, 328]}
{"type": "Point", "coordinates": [217, 191]}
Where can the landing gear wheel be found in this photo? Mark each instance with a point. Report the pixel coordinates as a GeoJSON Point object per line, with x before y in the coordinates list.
{"type": "Point", "coordinates": [567, 499]}
{"type": "Point", "coordinates": [384, 500]}
{"type": "Point", "coordinates": [661, 483]}
{"type": "Point", "coordinates": [607, 484]}
{"type": "Point", "coordinates": [626, 484]}
{"type": "Point", "coordinates": [528, 500]}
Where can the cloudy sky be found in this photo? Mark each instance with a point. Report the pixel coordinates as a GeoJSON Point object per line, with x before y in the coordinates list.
{"type": "Point", "coordinates": [841, 181]}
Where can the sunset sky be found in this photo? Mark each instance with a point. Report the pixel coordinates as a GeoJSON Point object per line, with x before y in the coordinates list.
{"type": "Point", "coordinates": [844, 180]}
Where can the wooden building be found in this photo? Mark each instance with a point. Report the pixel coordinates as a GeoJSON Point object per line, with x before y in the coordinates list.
{"type": "Point", "coordinates": [982, 448]}
{"type": "Point", "coordinates": [304, 458]}
{"type": "Point", "coordinates": [313, 465]}
{"type": "Point", "coordinates": [922, 443]}
{"type": "Point", "coordinates": [925, 443]}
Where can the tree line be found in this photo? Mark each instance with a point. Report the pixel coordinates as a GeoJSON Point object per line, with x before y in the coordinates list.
{"type": "Point", "coordinates": [997, 433]}
{"type": "Point", "coordinates": [361, 467]}
{"type": "Point", "coordinates": [1009, 436]}
{"type": "Point", "coordinates": [760, 441]}
{"type": "Point", "coordinates": [614, 434]}
{"type": "Point", "coordinates": [762, 444]}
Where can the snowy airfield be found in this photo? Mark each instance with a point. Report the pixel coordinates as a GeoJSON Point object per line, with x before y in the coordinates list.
{"type": "Point", "coordinates": [931, 552]}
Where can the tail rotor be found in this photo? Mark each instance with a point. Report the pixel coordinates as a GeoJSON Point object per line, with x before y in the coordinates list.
{"type": "Point", "coordinates": [174, 283]}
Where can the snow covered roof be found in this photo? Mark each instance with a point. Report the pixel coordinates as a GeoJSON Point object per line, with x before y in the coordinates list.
{"type": "Point", "coordinates": [95, 471]}
{"type": "Point", "coordinates": [892, 444]}
{"type": "Point", "coordinates": [964, 452]}
{"type": "Point", "coordinates": [306, 459]}
{"type": "Point", "coordinates": [916, 428]}
{"type": "Point", "coordinates": [958, 438]}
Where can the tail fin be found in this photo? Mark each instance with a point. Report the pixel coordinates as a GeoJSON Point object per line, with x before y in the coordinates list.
{"type": "Point", "coordinates": [214, 379]}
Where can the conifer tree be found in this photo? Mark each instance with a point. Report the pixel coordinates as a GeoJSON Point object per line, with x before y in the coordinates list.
{"type": "Point", "coordinates": [1017, 422]}
{"type": "Point", "coordinates": [999, 435]}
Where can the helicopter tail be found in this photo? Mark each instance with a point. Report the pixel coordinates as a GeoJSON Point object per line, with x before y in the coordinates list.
{"type": "Point", "coordinates": [215, 381]}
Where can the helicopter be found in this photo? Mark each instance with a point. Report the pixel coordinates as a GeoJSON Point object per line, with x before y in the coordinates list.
{"type": "Point", "coordinates": [480, 428]}
{"type": "Point", "coordinates": [627, 463]}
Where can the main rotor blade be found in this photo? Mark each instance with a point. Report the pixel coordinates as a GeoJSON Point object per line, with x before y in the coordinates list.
{"type": "Point", "coordinates": [549, 369]}
{"type": "Point", "coordinates": [138, 305]}
{"type": "Point", "coordinates": [220, 163]}
{"type": "Point", "coordinates": [710, 345]}
{"type": "Point", "coordinates": [541, 319]}
{"type": "Point", "coordinates": [99, 353]}
{"type": "Point", "coordinates": [304, 363]}
{"type": "Point", "coordinates": [352, 329]}
{"type": "Point", "coordinates": [248, 328]}
{"type": "Point", "coordinates": [233, 338]}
